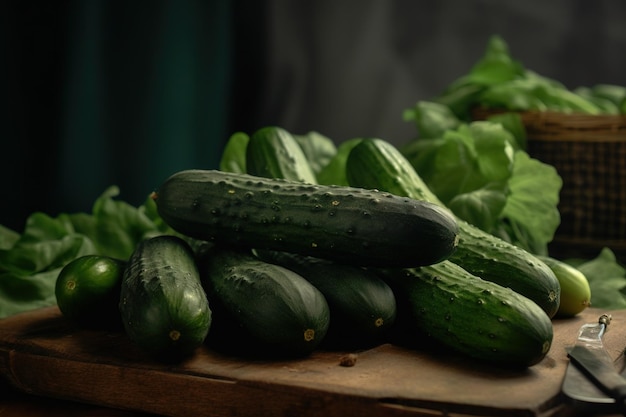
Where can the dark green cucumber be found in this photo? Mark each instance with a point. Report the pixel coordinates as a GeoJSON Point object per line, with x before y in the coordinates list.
{"type": "Point", "coordinates": [262, 309]}
{"type": "Point", "coordinates": [374, 163]}
{"type": "Point", "coordinates": [345, 224]}
{"type": "Point", "coordinates": [477, 318]}
{"type": "Point", "coordinates": [362, 305]}
{"type": "Point", "coordinates": [163, 305]}
{"type": "Point", "coordinates": [273, 152]}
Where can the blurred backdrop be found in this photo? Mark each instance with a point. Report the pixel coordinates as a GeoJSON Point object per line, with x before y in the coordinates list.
{"type": "Point", "coordinates": [110, 92]}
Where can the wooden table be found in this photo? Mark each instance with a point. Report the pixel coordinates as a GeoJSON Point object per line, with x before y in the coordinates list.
{"type": "Point", "coordinates": [14, 403]}
{"type": "Point", "coordinates": [53, 369]}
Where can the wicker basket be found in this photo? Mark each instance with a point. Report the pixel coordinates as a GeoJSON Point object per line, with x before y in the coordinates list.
{"type": "Point", "coordinates": [589, 153]}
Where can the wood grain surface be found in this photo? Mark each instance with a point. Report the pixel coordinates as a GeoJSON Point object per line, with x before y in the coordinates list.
{"type": "Point", "coordinates": [41, 354]}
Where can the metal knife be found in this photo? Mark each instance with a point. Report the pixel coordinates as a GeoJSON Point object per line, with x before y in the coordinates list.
{"type": "Point", "coordinates": [591, 381]}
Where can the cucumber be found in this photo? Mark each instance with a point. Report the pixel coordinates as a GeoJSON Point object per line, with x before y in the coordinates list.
{"type": "Point", "coordinates": [163, 305]}
{"type": "Point", "coordinates": [575, 289]}
{"type": "Point", "coordinates": [474, 317]}
{"type": "Point", "coordinates": [346, 224]}
{"type": "Point", "coordinates": [374, 163]}
{"type": "Point", "coordinates": [362, 306]}
{"type": "Point", "coordinates": [273, 152]}
{"type": "Point", "coordinates": [261, 309]}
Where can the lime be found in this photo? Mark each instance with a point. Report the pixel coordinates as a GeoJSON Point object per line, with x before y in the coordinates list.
{"type": "Point", "coordinates": [88, 291]}
{"type": "Point", "coordinates": [575, 290]}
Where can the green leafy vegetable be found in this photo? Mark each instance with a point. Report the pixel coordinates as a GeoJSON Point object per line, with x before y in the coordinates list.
{"type": "Point", "coordinates": [513, 123]}
{"type": "Point", "coordinates": [496, 65]}
{"type": "Point", "coordinates": [498, 81]}
{"type": "Point", "coordinates": [334, 172]}
{"type": "Point", "coordinates": [317, 148]}
{"type": "Point", "coordinates": [461, 98]}
{"type": "Point", "coordinates": [466, 159]}
{"type": "Point", "coordinates": [477, 173]}
{"type": "Point", "coordinates": [603, 103]}
{"type": "Point", "coordinates": [234, 155]}
{"type": "Point", "coordinates": [530, 214]}
{"type": "Point", "coordinates": [616, 94]}
{"type": "Point", "coordinates": [481, 207]}
{"type": "Point", "coordinates": [537, 94]}
{"type": "Point", "coordinates": [431, 119]}
{"type": "Point", "coordinates": [607, 280]}
{"type": "Point", "coordinates": [31, 261]}
{"type": "Point", "coordinates": [8, 237]}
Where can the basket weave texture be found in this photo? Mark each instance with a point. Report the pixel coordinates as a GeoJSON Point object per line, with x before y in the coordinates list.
{"type": "Point", "coordinates": [589, 153]}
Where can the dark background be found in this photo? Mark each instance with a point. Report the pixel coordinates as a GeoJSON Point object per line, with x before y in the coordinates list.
{"type": "Point", "coordinates": [101, 92]}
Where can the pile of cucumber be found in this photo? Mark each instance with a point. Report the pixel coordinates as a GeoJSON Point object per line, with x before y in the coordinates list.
{"type": "Point", "coordinates": [267, 260]}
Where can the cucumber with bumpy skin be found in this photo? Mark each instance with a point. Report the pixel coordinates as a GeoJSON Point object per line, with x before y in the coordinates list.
{"type": "Point", "coordinates": [163, 305]}
{"type": "Point", "coordinates": [362, 305]}
{"type": "Point", "coordinates": [261, 309]}
{"type": "Point", "coordinates": [472, 316]}
{"type": "Point", "coordinates": [273, 152]}
{"type": "Point", "coordinates": [346, 224]}
{"type": "Point", "coordinates": [374, 163]}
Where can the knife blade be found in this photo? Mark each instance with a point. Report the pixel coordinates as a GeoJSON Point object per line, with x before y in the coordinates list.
{"type": "Point", "coordinates": [591, 360]}
{"type": "Point", "coordinates": [584, 395]}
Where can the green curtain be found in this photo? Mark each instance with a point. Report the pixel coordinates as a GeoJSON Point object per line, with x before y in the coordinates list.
{"type": "Point", "coordinates": [147, 95]}
{"type": "Point", "coordinates": [110, 92]}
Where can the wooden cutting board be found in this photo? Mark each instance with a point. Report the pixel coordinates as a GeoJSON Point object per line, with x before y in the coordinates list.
{"type": "Point", "coordinates": [42, 355]}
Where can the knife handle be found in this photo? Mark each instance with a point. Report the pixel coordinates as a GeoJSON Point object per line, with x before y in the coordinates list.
{"type": "Point", "coordinates": [619, 394]}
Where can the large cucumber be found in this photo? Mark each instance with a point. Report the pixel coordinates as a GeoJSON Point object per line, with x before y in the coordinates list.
{"type": "Point", "coordinates": [262, 309]}
{"type": "Point", "coordinates": [478, 318]}
{"type": "Point", "coordinates": [375, 163]}
{"type": "Point", "coordinates": [346, 224]}
{"type": "Point", "coordinates": [362, 306]}
{"type": "Point", "coordinates": [163, 305]}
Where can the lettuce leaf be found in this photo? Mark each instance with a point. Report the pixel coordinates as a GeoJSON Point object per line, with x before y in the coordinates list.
{"type": "Point", "coordinates": [466, 159]}
{"type": "Point", "coordinates": [233, 157]}
{"type": "Point", "coordinates": [530, 215]}
{"type": "Point", "coordinates": [479, 171]}
{"type": "Point", "coordinates": [31, 261]}
{"type": "Point", "coordinates": [480, 207]}
{"type": "Point", "coordinates": [318, 149]}
{"type": "Point", "coordinates": [431, 119]}
{"type": "Point", "coordinates": [607, 280]}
